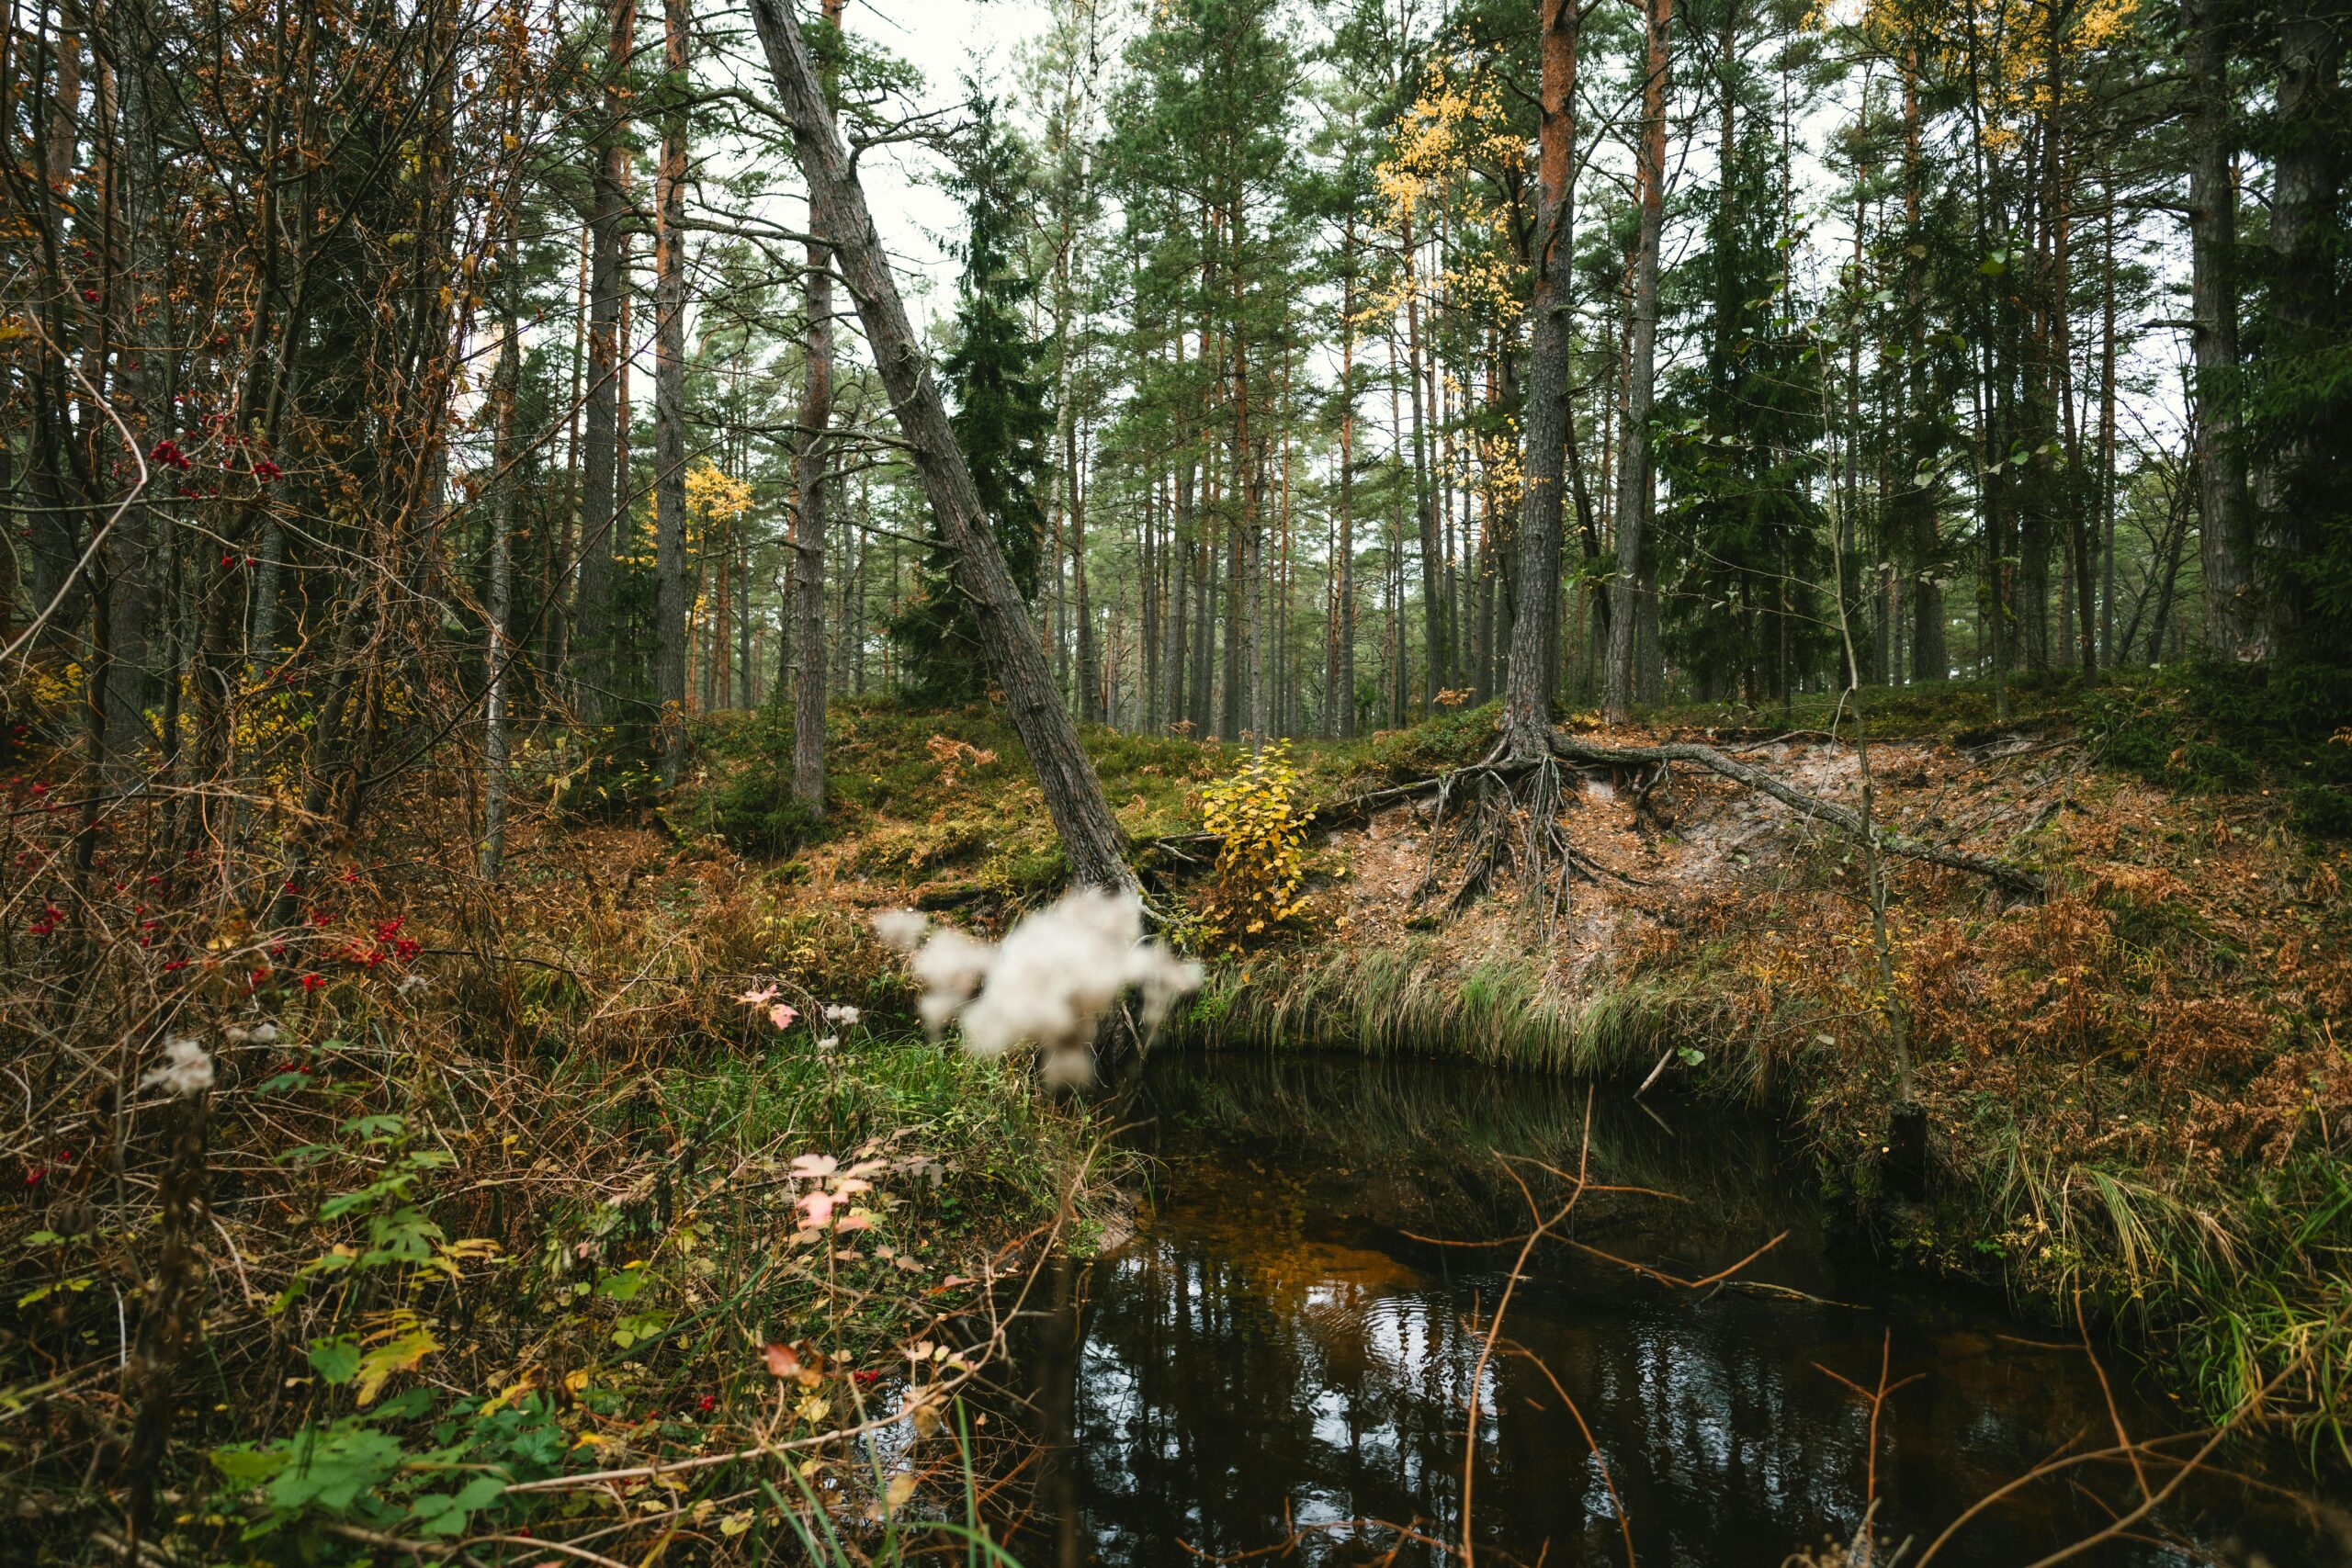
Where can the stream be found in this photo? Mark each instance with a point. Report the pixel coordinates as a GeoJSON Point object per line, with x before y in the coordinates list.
{"type": "Point", "coordinates": [1282, 1354]}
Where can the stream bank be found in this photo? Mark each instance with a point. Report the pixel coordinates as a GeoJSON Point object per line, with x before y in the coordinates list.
{"type": "Point", "coordinates": [2135, 1089]}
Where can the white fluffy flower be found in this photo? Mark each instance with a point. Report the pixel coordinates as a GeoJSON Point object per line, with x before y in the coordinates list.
{"type": "Point", "coordinates": [828, 1042]}
{"type": "Point", "coordinates": [902, 929]}
{"type": "Point", "coordinates": [186, 1069]}
{"type": "Point", "coordinates": [261, 1033]}
{"type": "Point", "coordinates": [1048, 985]}
{"type": "Point", "coordinates": [951, 966]}
{"type": "Point", "coordinates": [840, 1014]}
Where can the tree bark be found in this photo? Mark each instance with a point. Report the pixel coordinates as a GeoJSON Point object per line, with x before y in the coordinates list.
{"type": "Point", "coordinates": [2225, 537]}
{"type": "Point", "coordinates": [1343, 669]}
{"type": "Point", "coordinates": [2301, 335]}
{"type": "Point", "coordinates": [143, 338]}
{"type": "Point", "coordinates": [1625, 650]}
{"type": "Point", "coordinates": [810, 517]}
{"type": "Point", "coordinates": [600, 477]}
{"type": "Point", "coordinates": [1433, 631]}
{"type": "Point", "coordinates": [1531, 673]}
{"type": "Point", "coordinates": [497, 653]}
{"type": "Point", "coordinates": [1090, 655]}
{"type": "Point", "coordinates": [669, 400]}
{"type": "Point", "coordinates": [1073, 794]}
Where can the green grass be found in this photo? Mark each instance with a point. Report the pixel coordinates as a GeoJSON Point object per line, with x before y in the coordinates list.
{"type": "Point", "coordinates": [1005, 1149]}
{"type": "Point", "coordinates": [1408, 1000]}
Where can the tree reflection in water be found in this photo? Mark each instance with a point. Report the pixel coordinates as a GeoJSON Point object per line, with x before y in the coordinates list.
{"type": "Point", "coordinates": [1275, 1355]}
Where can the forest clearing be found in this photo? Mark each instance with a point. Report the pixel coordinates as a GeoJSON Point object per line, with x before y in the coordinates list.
{"type": "Point", "coordinates": [1145, 781]}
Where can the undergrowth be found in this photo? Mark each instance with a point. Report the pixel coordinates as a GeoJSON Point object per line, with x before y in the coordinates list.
{"type": "Point", "coordinates": [620, 1165]}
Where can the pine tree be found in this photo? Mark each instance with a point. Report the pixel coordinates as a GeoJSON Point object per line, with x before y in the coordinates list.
{"type": "Point", "coordinates": [1001, 419]}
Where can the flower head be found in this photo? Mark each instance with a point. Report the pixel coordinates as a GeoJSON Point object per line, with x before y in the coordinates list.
{"type": "Point", "coordinates": [901, 929]}
{"type": "Point", "coordinates": [185, 1070]}
{"type": "Point", "coordinates": [1049, 984]}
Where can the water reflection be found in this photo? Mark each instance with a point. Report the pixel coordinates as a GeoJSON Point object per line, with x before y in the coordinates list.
{"type": "Point", "coordinates": [1278, 1351]}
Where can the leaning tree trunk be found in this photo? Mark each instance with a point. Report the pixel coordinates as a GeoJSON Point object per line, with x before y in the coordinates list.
{"type": "Point", "coordinates": [670, 401]}
{"type": "Point", "coordinates": [1634, 467]}
{"type": "Point", "coordinates": [1529, 677]}
{"type": "Point", "coordinates": [837, 204]}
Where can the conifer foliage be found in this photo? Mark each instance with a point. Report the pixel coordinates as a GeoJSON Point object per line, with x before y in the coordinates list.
{"type": "Point", "coordinates": [1000, 419]}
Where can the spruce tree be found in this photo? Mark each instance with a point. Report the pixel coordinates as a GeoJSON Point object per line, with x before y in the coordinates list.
{"type": "Point", "coordinates": [1001, 419]}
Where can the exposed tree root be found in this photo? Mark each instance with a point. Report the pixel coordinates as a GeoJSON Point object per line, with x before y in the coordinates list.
{"type": "Point", "coordinates": [1513, 817]}
{"type": "Point", "coordinates": [1510, 819]}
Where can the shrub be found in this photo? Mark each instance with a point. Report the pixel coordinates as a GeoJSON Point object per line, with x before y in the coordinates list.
{"type": "Point", "coordinates": [1261, 861]}
{"type": "Point", "coordinates": [751, 805]}
{"type": "Point", "coordinates": [756, 811]}
{"type": "Point", "coordinates": [621, 770]}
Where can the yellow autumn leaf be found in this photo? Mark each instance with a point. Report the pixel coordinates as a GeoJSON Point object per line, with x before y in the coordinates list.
{"type": "Point", "coordinates": [402, 1354]}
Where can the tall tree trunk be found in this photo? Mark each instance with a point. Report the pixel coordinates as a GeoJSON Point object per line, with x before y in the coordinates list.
{"type": "Point", "coordinates": [2106, 431]}
{"type": "Point", "coordinates": [497, 651]}
{"type": "Point", "coordinates": [1433, 632]}
{"type": "Point", "coordinates": [810, 519]}
{"type": "Point", "coordinates": [1931, 655]}
{"type": "Point", "coordinates": [2233, 622]}
{"type": "Point", "coordinates": [2301, 337]}
{"type": "Point", "coordinates": [670, 399]}
{"type": "Point", "coordinates": [601, 480]}
{"type": "Point", "coordinates": [1344, 672]}
{"type": "Point", "coordinates": [1073, 794]}
{"type": "Point", "coordinates": [1090, 655]}
{"type": "Point", "coordinates": [1182, 530]}
{"type": "Point", "coordinates": [1626, 648]}
{"type": "Point", "coordinates": [555, 647]}
{"type": "Point", "coordinates": [1531, 671]}
{"type": "Point", "coordinates": [2075, 516]}
{"type": "Point", "coordinates": [144, 335]}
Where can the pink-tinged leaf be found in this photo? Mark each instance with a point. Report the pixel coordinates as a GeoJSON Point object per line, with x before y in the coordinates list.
{"type": "Point", "coordinates": [781, 1016]}
{"type": "Point", "coordinates": [783, 1360]}
{"type": "Point", "coordinates": [758, 999]}
{"type": "Point", "coordinates": [812, 1168]}
{"type": "Point", "coordinates": [855, 1222]}
{"type": "Point", "coordinates": [817, 1210]}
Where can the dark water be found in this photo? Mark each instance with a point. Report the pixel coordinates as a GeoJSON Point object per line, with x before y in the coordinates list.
{"type": "Point", "coordinates": [1278, 1357]}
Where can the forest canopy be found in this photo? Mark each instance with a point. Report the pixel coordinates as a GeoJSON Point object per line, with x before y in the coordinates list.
{"type": "Point", "coordinates": [1303, 352]}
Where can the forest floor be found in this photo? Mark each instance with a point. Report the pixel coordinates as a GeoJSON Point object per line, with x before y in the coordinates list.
{"type": "Point", "coordinates": [530, 1214]}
